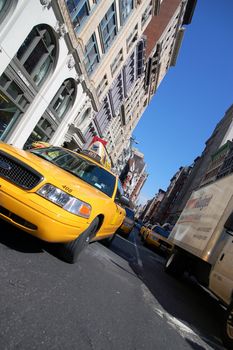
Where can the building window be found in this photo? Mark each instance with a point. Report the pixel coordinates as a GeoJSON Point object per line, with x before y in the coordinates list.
{"type": "Point", "coordinates": [37, 53]}
{"type": "Point", "coordinates": [85, 117]}
{"type": "Point", "coordinates": [92, 56]}
{"type": "Point", "coordinates": [43, 131]}
{"type": "Point", "coordinates": [101, 87]}
{"type": "Point", "coordinates": [108, 27]}
{"type": "Point", "coordinates": [117, 62]}
{"type": "Point", "coordinates": [116, 94]}
{"type": "Point", "coordinates": [59, 106]}
{"type": "Point", "coordinates": [126, 6]}
{"type": "Point", "coordinates": [64, 98]}
{"type": "Point", "coordinates": [140, 58]}
{"type": "Point", "coordinates": [13, 103]}
{"type": "Point", "coordinates": [146, 14]}
{"type": "Point", "coordinates": [132, 38]}
{"type": "Point", "coordinates": [79, 10]}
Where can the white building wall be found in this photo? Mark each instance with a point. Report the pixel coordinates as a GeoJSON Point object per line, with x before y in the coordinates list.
{"type": "Point", "coordinates": [13, 31]}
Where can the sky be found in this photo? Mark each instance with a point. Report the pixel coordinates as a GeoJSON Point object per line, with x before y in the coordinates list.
{"type": "Point", "coordinates": [192, 98]}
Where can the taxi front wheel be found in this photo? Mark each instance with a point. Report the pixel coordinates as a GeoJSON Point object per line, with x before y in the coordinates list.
{"type": "Point", "coordinates": [70, 251]}
{"type": "Point", "coordinates": [175, 265]}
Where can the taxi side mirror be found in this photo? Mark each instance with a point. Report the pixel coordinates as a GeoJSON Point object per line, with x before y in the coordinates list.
{"type": "Point", "coordinates": [124, 201]}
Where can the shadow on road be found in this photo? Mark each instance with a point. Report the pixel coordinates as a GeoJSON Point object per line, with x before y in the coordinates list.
{"type": "Point", "coordinates": [19, 240]}
{"type": "Point", "coordinates": [183, 299]}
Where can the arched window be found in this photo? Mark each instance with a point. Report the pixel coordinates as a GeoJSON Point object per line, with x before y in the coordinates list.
{"type": "Point", "coordinates": [2, 4]}
{"type": "Point", "coordinates": [59, 106]}
{"type": "Point", "coordinates": [43, 131]}
{"type": "Point", "coordinates": [85, 116]}
{"type": "Point", "coordinates": [5, 6]}
{"type": "Point", "coordinates": [37, 54]}
{"type": "Point", "coordinates": [13, 103]}
{"type": "Point", "coordinates": [64, 98]}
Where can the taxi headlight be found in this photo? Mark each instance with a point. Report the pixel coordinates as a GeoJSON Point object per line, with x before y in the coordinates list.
{"type": "Point", "coordinates": [64, 200]}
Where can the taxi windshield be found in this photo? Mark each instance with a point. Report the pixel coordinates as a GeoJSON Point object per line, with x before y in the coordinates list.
{"type": "Point", "coordinates": [80, 167]}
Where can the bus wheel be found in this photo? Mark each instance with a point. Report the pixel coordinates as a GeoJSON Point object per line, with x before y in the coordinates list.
{"type": "Point", "coordinates": [227, 336]}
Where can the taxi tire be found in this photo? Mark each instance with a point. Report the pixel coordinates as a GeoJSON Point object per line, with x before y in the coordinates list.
{"type": "Point", "coordinates": [108, 241]}
{"type": "Point", "coordinates": [174, 265]}
{"type": "Point", "coordinates": [70, 251]}
{"type": "Point", "coordinates": [227, 331]}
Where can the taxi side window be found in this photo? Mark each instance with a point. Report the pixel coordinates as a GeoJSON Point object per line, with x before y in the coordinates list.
{"type": "Point", "coordinates": [119, 192]}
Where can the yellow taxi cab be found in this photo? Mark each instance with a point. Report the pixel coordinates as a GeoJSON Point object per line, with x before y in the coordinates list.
{"type": "Point", "coordinates": [60, 196]}
{"type": "Point", "coordinates": [128, 223]}
{"type": "Point", "coordinates": [144, 230]}
{"type": "Point", "coordinates": [158, 237]}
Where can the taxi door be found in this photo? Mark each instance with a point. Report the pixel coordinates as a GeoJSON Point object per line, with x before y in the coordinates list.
{"type": "Point", "coordinates": [120, 211]}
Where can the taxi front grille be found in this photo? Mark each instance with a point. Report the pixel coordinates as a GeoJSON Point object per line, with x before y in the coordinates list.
{"type": "Point", "coordinates": [17, 172]}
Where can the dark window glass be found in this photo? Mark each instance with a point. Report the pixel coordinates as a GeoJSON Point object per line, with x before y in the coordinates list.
{"type": "Point", "coordinates": [27, 42]}
{"type": "Point", "coordinates": [13, 102]}
{"type": "Point", "coordinates": [91, 54]}
{"type": "Point", "coordinates": [43, 131]}
{"type": "Point", "coordinates": [78, 11]}
{"type": "Point", "coordinates": [14, 91]}
{"type": "Point", "coordinates": [126, 7]}
{"type": "Point", "coordinates": [81, 15]}
{"type": "Point", "coordinates": [108, 27]}
{"type": "Point", "coordinates": [63, 99]}
{"type": "Point", "coordinates": [23, 101]}
{"type": "Point", "coordinates": [129, 213]}
{"type": "Point", "coordinates": [34, 58]}
{"type": "Point", "coordinates": [61, 103]}
{"type": "Point", "coordinates": [79, 167]}
{"type": "Point", "coordinates": [37, 53]}
{"type": "Point", "coordinates": [4, 80]}
{"type": "Point", "coordinates": [9, 114]}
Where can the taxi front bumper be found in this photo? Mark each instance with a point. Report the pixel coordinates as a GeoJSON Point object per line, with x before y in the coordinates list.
{"type": "Point", "coordinates": [38, 216]}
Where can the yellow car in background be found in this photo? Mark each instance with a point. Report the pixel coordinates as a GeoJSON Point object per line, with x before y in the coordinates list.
{"type": "Point", "coordinates": [144, 230]}
{"type": "Point", "coordinates": [128, 223]}
{"type": "Point", "coordinates": [157, 237]}
{"type": "Point", "coordinates": [60, 196]}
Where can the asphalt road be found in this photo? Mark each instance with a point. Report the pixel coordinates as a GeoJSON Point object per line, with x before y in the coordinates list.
{"type": "Point", "coordinates": [116, 298]}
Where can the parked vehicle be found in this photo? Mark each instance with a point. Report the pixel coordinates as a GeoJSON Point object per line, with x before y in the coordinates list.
{"type": "Point", "coordinates": [203, 241]}
{"type": "Point", "coordinates": [157, 238]}
{"type": "Point", "coordinates": [60, 196]}
{"type": "Point", "coordinates": [128, 223]}
{"type": "Point", "coordinates": [144, 230]}
{"type": "Point", "coordinates": [167, 226]}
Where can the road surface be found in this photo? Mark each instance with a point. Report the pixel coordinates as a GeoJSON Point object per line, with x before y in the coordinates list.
{"type": "Point", "coordinates": [116, 298]}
